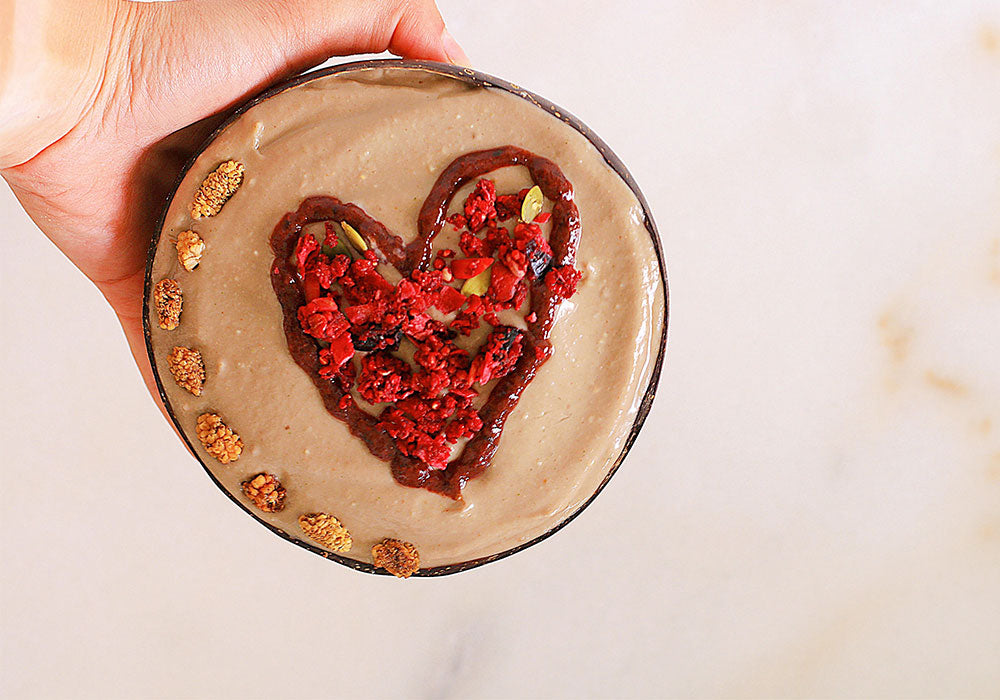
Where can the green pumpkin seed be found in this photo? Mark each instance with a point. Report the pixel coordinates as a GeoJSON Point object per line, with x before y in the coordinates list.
{"type": "Point", "coordinates": [340, 249]}
{"type": "Point", "coordinates": [353, 236]}
{"type": "Point", "coordinates": [479, 284]}
{"type": "Point", "coordinates": [532, 204]}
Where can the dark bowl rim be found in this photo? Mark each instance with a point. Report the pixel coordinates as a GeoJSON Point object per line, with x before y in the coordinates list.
{"type": "Point", "coordinates": [482, 80]}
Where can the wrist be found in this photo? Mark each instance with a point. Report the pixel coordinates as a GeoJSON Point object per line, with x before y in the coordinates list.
{"type": "Point", "coordinates": [50, 70]}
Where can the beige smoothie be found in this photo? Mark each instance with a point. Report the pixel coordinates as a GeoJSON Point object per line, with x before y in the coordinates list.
{"type": "Point", "coordinates": [379, 138]}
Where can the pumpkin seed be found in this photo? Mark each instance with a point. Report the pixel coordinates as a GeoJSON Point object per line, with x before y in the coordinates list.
{"type": "Point", "coordinates": [479, 284]}
{"type": "Point", "coordinates": [340, 249]}
{"type": "Point", "coordinates": [532, 204]}
{"type": "Point", "coordinates": [353, 236]}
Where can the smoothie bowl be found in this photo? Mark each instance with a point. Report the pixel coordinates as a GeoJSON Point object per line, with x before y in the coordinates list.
{"type": "Point", "coordinates": [406, 315]}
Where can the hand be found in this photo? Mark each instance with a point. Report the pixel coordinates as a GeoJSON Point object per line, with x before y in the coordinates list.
{"type": "Point", "coordinates": [95, 96]}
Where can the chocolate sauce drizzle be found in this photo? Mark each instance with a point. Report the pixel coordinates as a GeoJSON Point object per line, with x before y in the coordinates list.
{"type": "Point", "coordinates": [564, 239]}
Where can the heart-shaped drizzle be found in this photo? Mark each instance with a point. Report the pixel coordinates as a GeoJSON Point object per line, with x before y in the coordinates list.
{"type": "Point", "coordinates": [334, 307]}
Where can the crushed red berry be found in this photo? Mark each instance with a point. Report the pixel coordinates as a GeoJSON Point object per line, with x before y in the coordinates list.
{"type": "Point", "coordinates": [321, 319]}
{"type": "Point", "coordinates": [372, 336]}
{"type": "Point", "coordinates": [495, 239]}
{"type": "Point", "coordinates": [562, 281]}
{"type": "Point", "coordinates": [480, 205]}
{"type": "Point", "coordinates": [508, 206]}
{"type": "Point", "coordinates": [503, 281]}
{"type": "Point", "coordinates": [384, 378]}
{"type": "Point", "coordinates": [514, 260]}
{"type": "Point", "coordinates": [332, 358]}
{"type": "Point", "coordinates": [437, 353]}
{"type": "Point", "coordinates": [306, 247]}
{"type": "Point", "coordinates": [465, 424]}
{"type": "Point", "coordinates": [332, 236]}
{"type": "Point", "coordinates": [498, 355]}
{"type": "Point", "coordinates": [467, 268]}
{"type": "Point", "coordinates": [310, 287]}
{"type": "Point", "coordinates": [340, 265]}
{"type": "Point", "coordinates": [449, 300]}
{"type": "Point", "coordinates": [472, 246]}
{"type": "Point", "coordinates": [426, 427]}
{"type": "Point", "coordinates": [351, 308]}
{"type": "Point", "coordinates": [468, 318]}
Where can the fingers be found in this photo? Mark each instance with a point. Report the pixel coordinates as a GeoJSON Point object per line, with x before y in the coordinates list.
{"type": "Point", "coordinates": [202, 56]}
{"type": "Point", "coordinates": [420, 32]}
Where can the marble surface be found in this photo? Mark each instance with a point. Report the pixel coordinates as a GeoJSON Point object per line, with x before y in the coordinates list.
{"type": "Point", "coordinates": [813, 508]}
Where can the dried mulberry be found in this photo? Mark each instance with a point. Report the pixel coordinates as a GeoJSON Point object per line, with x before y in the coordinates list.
{"type": "Point", "coordinates": [190, 248]}
{"type": "Point", "coordinates": [218, 438]}
{"type": "Point", "coordinates": [401, 559]}
{"type": "Point", "coordinates": [188, 369]}
{"type": "Point", "coordinates": [168, 300]}
{"type": "Point", "coordinates": [215, 191]}
{"type": "Point", "coordinates": [266, 492]}
{"type": "Point", "coordinates": [327, 530]}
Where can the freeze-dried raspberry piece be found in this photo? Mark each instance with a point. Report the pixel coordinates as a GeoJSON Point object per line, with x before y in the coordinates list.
{"type": "Point", "coordinates": [514, 260]}
{"type": "Point", "coordinates": [449, 300]}
{"type": "Point", "coordinates": [562, 281]}
{"type": "Point", "coordinates": [331, 234]}
{"type": "Point", "coordinates": [321, 319]}
{"type": "Point", "coordinates": [335, 357]}
{"type": "Point", "coordinates": [464, 424]}
{"type": "Point", "coordinates": [383, 378]}
{"type": "Point", "coordinates": [471, 245]}
{"type": "Point", "coordinates": [431, 382]}
{"type": "Point", "coordinates": [508, 206]}
{"type": "Point", "coordinates": [467, 268]}
{"type": "Point", "coordinates": [325, 270]}
{"type": "Point", "coordinates": [480, 205]}
{"type": "Point", "coordinates": [503, 281]}
{"type": "Point", "coordinates": [468, 318]}
{"type": "Point", "coordinates": [304, 249]}
{"type": "Point", "coordinates": [412, 440]}
{"type": "Point", "coordinates": [498, 356]}
{"type": "Point", "coordinates": [437, 353]}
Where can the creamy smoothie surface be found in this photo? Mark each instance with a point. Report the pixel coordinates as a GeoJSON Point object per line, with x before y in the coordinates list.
{"type": "Point", "coordinates": [379, 138]}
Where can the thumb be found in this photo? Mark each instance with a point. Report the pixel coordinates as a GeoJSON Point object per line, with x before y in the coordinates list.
{"type": "Point", "coordinates": [214, 53]}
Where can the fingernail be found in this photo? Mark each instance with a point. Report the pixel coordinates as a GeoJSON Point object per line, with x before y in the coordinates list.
{"type": "Point", "coordinates": [453, 51]}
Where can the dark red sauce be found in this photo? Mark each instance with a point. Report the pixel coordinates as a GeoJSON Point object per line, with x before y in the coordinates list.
{"type": "Point", "coordinates": [564, 238]}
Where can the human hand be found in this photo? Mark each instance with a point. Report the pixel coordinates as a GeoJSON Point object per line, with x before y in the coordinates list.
{"type": "Point", "coordinates": [95, 97]}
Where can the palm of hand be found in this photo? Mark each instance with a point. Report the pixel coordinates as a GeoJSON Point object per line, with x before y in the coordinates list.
{"type": "Point", "coordinates": [97, 192]}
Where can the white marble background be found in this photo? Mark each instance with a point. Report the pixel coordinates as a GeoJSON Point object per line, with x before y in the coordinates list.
{"type": "Point", "coordinates": [813, 508]}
